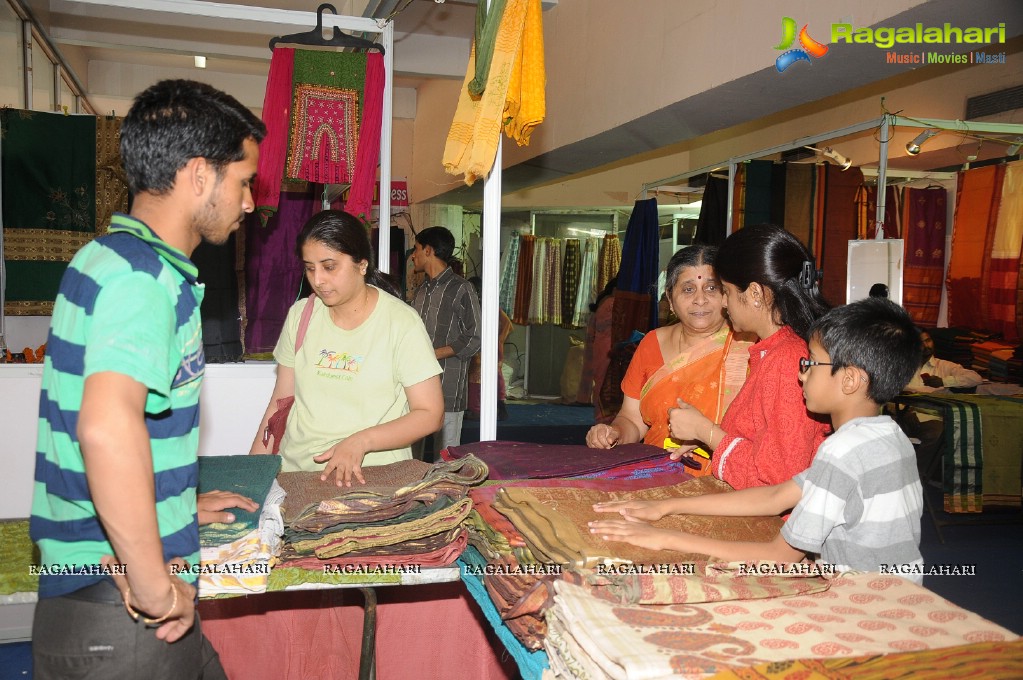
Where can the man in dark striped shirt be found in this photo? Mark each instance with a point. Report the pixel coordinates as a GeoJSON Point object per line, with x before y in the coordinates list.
{"type": "Point", "coordinates": [450, 310]}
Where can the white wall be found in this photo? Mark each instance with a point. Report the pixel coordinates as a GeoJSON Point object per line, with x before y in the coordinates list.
{"type": "Point", "coordinates": [231, 404]}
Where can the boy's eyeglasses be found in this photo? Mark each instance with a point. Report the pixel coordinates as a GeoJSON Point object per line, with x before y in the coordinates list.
{"type": "Point", "coordinates": [805, 364]}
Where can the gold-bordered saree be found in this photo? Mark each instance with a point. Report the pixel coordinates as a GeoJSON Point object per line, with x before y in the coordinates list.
{"type": "Point", "coordinates": [707, 376]}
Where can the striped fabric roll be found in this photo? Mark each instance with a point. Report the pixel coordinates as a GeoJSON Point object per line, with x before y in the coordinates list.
{"type": "Point", "coordinates": [510, 274]}
{"type": "Point", "coordinates": [524, 286]}
{"type": "Point", "coordinates": [586, 293]}
{"type": "Point", "coordinates": [553, 306]}
{"type": "Point", "coordinates": [610, 260]}
{"type": "Point", "coordinates": [570, 280]}
{"type": "Point", "coordinates": [538, 295]}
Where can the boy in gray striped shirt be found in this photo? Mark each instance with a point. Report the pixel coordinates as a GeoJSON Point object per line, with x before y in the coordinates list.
{"type": "Point", "coordinates": [859, 504]}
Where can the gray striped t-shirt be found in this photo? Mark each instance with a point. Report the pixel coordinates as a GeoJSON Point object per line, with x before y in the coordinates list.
{"type": "Point", "coordinates": [862, 501]}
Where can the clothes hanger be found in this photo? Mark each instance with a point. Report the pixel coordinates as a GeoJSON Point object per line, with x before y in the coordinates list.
{"type": "Point", "coordinates": [315, 36]}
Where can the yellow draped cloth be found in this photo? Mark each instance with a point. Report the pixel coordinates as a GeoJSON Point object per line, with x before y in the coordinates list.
{"type": "Point", "coordinates": [513, 99]}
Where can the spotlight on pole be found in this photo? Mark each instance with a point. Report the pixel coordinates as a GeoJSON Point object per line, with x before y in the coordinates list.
{"type": "Point", "coordinates": [913, 148]}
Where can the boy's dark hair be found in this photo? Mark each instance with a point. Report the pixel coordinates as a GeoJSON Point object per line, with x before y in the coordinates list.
{"type": "Point", "coordinates": [777, 260]}
{"type": "Point", "coordinates": [175, 121]}
{"type": "Point", "coordinates": [440, 239]}
{"type": "Point", "coordinates": [876, 335]}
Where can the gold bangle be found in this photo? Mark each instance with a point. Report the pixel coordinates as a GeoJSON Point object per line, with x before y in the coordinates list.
{"type": "Point", "coordinates": [136, 616]}
{"type": "Point", "coordinates": [710, 440]}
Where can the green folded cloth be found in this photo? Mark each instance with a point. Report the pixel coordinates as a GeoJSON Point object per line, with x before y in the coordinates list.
{"type": "Point", "coordinates": [250, 476]}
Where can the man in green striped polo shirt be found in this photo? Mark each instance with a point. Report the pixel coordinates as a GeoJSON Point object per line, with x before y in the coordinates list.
{"type": "Point", "coordinates": [116, 470]}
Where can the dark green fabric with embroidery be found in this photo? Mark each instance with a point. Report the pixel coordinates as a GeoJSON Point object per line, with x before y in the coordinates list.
{"type": "Point", "coordinates": [48, 183]}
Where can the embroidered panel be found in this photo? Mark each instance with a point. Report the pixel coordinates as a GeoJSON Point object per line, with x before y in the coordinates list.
{"type": "Point", "coordinates": [324, 134]}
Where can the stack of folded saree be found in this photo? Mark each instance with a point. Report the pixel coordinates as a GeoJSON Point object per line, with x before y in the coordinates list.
{"type": "Point", "coordinates": [553, 522]}
{"type": "Point", "coordinates": [857, 614]}
{"type": "Point", "coordinates": [237, 558]}
{"type": "Point", "coordinates": [407, 513]}
{"type": "Point", "coordinates": [545, 521]}
{"type": "Point", "coordinates": [495, 536]}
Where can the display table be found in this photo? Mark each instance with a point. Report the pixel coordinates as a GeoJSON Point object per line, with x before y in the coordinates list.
{"type": "Point", "coordinates": [424, 631]}
{"type": "Point", "coordinates": [982, 447]}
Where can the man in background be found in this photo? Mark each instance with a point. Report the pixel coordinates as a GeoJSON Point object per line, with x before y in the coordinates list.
{"type": "Point", "coordinates": [116, 470]}
{"type": "Point", "coordinates": [925, 425]}
{"type": "Point", "coordinates": [450, 310]}
{"type": "Point", "coordinates": [935, 374]}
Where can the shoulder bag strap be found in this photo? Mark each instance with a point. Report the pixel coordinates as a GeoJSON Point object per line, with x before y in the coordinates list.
{"type": "Point", "coordinates": [303, 324]}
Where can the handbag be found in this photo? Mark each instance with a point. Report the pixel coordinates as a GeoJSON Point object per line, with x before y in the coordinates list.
{"type": "Point", "coordinates": [279, 420]}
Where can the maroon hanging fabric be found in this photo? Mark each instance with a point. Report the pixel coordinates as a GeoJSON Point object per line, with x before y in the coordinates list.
{"type": "Point", "coordinates": [840, 221]}
{"type": "Point", "coordinates": [924, 231]}
{"type": "Point", "coordinates": [524, 281]}
{"type": "Point", "coordinates": [360, 199]}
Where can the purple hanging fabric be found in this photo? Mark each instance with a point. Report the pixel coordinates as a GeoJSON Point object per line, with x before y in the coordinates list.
{"type": "Point", "coordinates": [273, 273]}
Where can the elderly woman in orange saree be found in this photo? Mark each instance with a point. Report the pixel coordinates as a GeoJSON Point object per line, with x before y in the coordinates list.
{"type": "Point", "coordinates": [699, 359]}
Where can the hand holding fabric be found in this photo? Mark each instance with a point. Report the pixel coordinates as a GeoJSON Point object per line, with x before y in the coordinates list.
{"type": "Point", "coordinates": [602, 436]}
{"type": "Point", "coordinates": [344, 459]}
{"type": "Point", "coordinates": [686, 423]}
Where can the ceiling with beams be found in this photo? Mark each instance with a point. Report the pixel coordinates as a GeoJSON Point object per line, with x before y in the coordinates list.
{"type": "Point", "coordinates": [431, 38]}
{"type": "Point", "coordinates": [431, 41]}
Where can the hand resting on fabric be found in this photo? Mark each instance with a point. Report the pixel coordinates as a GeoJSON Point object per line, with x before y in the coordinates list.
{"type": "Point", "coordinates": [214, 504]}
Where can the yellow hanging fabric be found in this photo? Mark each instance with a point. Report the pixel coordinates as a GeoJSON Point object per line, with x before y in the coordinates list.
{"type": "Point", "coordinates": [526, 105]}
{"type": "Point", "coordinates": [472, 141]}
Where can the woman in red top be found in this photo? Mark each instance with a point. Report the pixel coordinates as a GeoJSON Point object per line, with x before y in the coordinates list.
{"type": "Point", "coordinates": [770, 289]}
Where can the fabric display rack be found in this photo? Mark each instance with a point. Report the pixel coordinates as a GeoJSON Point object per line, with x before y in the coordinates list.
{"type": "Point", "coordinates": [553, 280]}
{"type": "Point", "coordinates": [986, 232]}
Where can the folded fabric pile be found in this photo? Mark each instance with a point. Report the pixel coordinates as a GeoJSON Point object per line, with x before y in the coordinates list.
{"type": "Point", "coordinates": [237, 558]}
{"type": "Point", "coordinates": [860, 613]}
{"type": "Point", "coordinates": [409, 512]}
{"type": "Point", "coordinates": [553, 521]}
{"type": "Point", "coordinates": [990, 358]}
{"type": "Point", "coordinates": [545, 522]}
{"type": "Point", "coordinates": [954, 344]}
{"type": "Point", "coordinates": [1014, 365]}
{"type": "Point", "coordinates": [496, 537]}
